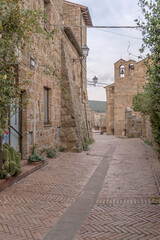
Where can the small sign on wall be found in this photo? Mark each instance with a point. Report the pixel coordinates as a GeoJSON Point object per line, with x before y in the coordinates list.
{"type": "Point", "coordinates": [5, 136]}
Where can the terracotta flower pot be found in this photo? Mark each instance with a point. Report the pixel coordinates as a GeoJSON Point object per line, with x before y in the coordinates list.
{"type": "Point", "coordinates": [34, 163]}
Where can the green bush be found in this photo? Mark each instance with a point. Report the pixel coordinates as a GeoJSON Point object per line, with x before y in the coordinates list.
{"type": "Point", "coordinates": [86, 142]}
{"type": "Point", "coordinates": [148, 102]}
{"type": "Point", "coordinates": [51, 153]}
{"type": "Point", "coordinates": [35, 158]}
{"type": "Point", "coordinates": [61, 149]}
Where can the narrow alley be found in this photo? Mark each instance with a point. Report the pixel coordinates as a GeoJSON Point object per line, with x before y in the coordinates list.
{"type": "Point", "coordinates": [108, 193]}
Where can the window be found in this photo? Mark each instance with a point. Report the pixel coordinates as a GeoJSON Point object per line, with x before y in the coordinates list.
{"type": "Point", "coordinates": [30, 138]}
{"type": "Point", "coordinates": [47, 14]}
{"type": "Point", "coordinates": [131, 66]}
{"type": "Point", "coordinates": [121, 71]}
{"type": "Point", "coordinates": [46, 105]}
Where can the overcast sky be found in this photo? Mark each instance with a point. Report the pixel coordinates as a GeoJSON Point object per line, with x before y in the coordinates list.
{"type": "Point", "coordinates": [109, 45]}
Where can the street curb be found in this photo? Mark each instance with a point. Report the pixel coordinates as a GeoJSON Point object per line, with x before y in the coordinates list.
{"type": "Point", "coordinates": [27, 169]}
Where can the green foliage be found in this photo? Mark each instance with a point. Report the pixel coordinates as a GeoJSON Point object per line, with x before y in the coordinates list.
{"type": "Point", "coordinates": [5, 155]}
{"type": "Point", "coordinates": [35, 158]}
{"type": "Point", "coordinates": [61, 149]}
{"type": "Point", "coordinates": [86, 142]}
{"type": "Point", "coordinates": [149, 101]}
{"type": "Point", "coordinates": [12, 166]}
{"type": "Point", "coordinates": [18, 160]}
{"type": "Point", "coordinates": [18, 171]}
{"type": "Point", "coordinates": [90, 141]}
{"type": "Point", "coordinates": [34, 149]}
{"type": "Point", "coordinates": [148, 142]}
{"type": "Point", "coordinates": [11, 162]}
{"type": "Point", "coordinates": [141, 102]}
{"type": "Point", "coordinates": [51, 153]}
{"type": "Point", "coordinates": [17, 27]}
{"type": "Point", "coordinates": [6, 165]}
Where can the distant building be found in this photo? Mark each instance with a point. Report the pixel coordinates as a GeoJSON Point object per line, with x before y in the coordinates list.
{"type": "Point", "coordinates": [99, 116]}
{"type": "Point", "coordinates": [129, 79]}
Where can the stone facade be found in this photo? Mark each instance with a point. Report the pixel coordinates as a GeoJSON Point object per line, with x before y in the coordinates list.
{"type": "Point", "coordinates": [65, 120]}
{"type": "Point", "coordinates": [129, 79]}
{"type": "Point", "coordinates": [100, 121]}
{"type": "Point", "coordinates": [133, 124]}
{"type": "Point", "coordinates": [110, 109]}
{"type": "Point", "coordinates": [75, 109]}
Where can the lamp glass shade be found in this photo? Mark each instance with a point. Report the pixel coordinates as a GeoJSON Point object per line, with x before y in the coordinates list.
{"type": "Point", "coordinates": [85, 50]}
{"type": "Point", "coordinates": [95, 80]}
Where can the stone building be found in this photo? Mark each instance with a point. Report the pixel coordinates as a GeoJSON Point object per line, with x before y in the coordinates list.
{"type": "Point", "coordinates": [100, 122]}
{"type": "Point", "coordinates": [98, 109]}
{"type": "Point", "coordinates": [129, 79]}
{"type": "Point", "coordinates": [75, 108]}
{"type": "Point", "coordinates": [57, 113]}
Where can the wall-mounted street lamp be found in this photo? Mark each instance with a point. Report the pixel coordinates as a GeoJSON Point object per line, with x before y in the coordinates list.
{"type": "Point", "coordinates": [94, 82]}
{"type": "Point", "coordinates": [85, 51]}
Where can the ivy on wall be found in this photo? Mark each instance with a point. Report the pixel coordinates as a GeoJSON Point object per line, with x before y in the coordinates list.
{"type": "Point", "coordinates": [148, 102]}
{"type": "Point", "coordinates": [18, 26]}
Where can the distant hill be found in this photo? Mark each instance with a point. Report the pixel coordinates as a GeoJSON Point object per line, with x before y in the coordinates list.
{"type": "Point", "coordinates": [98, 106]}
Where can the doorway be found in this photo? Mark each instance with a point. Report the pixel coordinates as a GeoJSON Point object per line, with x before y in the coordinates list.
{"type": "Point", "coordinates": [15, 124]}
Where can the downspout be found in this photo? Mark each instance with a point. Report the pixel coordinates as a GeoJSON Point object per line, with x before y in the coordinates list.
{"type": "Point", "coordinates": [82, 100]}
{"type": "Point", "coordinates": [81, 62]}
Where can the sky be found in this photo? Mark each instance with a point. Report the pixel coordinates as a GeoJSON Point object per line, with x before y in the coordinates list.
{"type": "Point", "coordinates": [107, 46]}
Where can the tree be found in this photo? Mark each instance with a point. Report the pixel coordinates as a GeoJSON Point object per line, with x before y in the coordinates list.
{"type": "Point", "coordinates": [149, 100]}
{"type": "Point", "coordinates": [17, 26]}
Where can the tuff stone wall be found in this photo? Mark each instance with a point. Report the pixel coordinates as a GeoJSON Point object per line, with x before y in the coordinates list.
{"type": "Point", "coordinates": [125, 87]}
{"type": "Point", "coordinates": [133, 124]}
{"type": "Point", "coordinates": [100, 121]}
{"type": "Point", "coordinates": [110, 109]}
{"type": "Point", "coordinates": [70, 114]}
{"type": "Point", "coordinates": [68, 102]}
{"type": "Point", "coordinates": [34, 130]}
{"type": "Point", "coordinates": [74, 17]}
{"type": "Point", "coordinates": [75, 109]}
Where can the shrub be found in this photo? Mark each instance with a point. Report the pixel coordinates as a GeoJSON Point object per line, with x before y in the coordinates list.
{"type": "Point", "coordinates": [35, 158]}
{"type": "Point", "coordinates": [86, 142]}
{"type": "Point", "coordinates": [51, 153]}
{"type": "Point", "coordinates": [61, 149]}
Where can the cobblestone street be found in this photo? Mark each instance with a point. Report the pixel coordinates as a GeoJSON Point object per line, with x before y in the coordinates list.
{"type": "Point", "coordinates": [108, 193]}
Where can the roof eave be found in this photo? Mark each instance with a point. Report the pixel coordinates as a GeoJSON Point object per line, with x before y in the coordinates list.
{"type": "Point", "coordinates": [73, 40]}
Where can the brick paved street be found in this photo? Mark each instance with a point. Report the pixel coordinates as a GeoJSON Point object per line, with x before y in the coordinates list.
{"type": "Point", "coordinates": [107, 193]}
{"type": "Point", "coordinates": [125, 207]}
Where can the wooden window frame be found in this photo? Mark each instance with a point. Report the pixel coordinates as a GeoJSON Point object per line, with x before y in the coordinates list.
{"type": "Point", "coordinates": [48, 108]}
{"type": "Point", "coordinates": [47, 22]}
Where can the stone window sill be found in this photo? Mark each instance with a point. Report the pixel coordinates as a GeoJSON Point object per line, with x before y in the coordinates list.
{"type": "Point", "coordinates": [47, 125]}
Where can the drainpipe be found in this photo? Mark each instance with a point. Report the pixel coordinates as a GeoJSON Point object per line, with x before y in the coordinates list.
{"type": "Point", "coordinates": [82, 100]}
{"type": "Point", "coordinates": [81, 62]}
